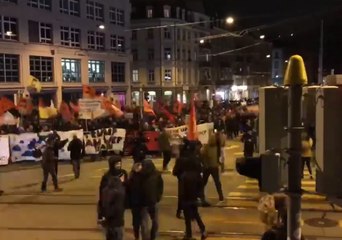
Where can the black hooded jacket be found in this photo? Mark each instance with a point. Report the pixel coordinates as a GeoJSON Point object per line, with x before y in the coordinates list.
{"type": "Point", "coordinates": [153, 185]}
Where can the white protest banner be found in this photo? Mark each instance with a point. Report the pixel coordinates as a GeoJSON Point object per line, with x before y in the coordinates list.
{"type": "Point", "coordinates": [4, 149]}
{"type": "Point", "coordinates": [88, 107]}
{"type": "Point", "coordinates": [22, 146]}
{"type": "Point", "coordinates": [63, 153]}
{"type": "Point", "coordinates": [203, 131]}
{"type": "Point", "coordinates": [177, 133]}
{"type": "Point", "coordinates": [108, 139]}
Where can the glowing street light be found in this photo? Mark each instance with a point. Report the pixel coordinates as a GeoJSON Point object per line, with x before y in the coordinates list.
{"type": "Point", "coordinates": [229, 20]}
{"type": "Point", "coordinates": [268, 56]}
{"type": "Point", "coordinates": [102, 27]}
{"type": "Point", "coordinates": [201, 41]}
{"type": "Point", "coordinates": [262, 36]}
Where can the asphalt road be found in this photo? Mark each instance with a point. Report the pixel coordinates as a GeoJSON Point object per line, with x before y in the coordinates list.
{"type": "Point", "coordinates": [25, 213]}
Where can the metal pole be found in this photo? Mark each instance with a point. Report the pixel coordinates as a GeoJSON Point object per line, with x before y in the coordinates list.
{"type": "Point", "coordinates": [295, 78]}
{"type": "Point", "coordinates": [294, 170]}
{"type": "Point", "coordinates": [320, 57]}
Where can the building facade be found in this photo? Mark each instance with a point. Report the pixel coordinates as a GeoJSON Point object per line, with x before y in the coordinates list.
{"type": "Point", "coordinates": [165, 49]}
{"type": "Point", "coordinates": [64, 44]}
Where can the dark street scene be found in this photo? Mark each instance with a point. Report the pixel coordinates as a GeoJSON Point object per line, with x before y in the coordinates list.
{"type": "Point", "coordinates": [170, 120]}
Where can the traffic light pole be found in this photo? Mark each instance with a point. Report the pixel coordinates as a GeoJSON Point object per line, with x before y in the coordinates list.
{"type": "Point", "coordinates": [294, 168]}
{"type": "Point", "coordinates": [295, 78]}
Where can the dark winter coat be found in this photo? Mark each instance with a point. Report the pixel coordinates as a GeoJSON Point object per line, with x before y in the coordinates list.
{"type": "Point", "coordinates": [48, 159]}
{"type": "Point", "coordinates": [153, 185]}
{"type": "Point", "coordinates": [190, 187]}
{"type": "Point", "coordinates": [75, 147]}
{"type": "Point", "coordinates": [134, 187]}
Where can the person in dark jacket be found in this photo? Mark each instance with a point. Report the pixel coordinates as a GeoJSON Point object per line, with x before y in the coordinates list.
{"type": "Point", "coordinates": [165, 147]}
{"type": "Point", "coordinates": [115, 170]}
{"type": "Point", "coordinates": [113, 196]}
{"type": "Point", "coordinates": [139, 150]}
{"type": "Point", "coordinates": [48, 165]}
{"type": "Point", "coordinates": [135, 198]}
{"type": "Point", "coordinates": [152, 188]}
{"type": "Point", "coordinates": [56, 143]}
{"type": "Point", "coordinates": [75, 147]}
{"type": "Point", "coordinates": [190, 187]}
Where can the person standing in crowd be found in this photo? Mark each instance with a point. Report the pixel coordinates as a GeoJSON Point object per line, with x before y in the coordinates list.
{"type": "Point", "coordinates": [113, 205]}
{"type": "Point", "coordinates": [190, 188]}
{"type": "Point", "coordinates": [75, 147]}
{"type": "Point", "coordinates": [165, 148]}
{"type": "Point", "coordinates": [211, 163]}
{"type": "Point", "coordinates": [139, 148]}
{"type": "Point", "coordinates": [152, 188]}
{"type": "Point", "coordinates": [115, 170]}
{"type": "Point", "coordinates": [135, 200]}
{"type": "Point", "coordinates": [48, 165]}
{"type": "Point", "coordinates": [306, 153]}
{"type": "Point", "coordinates": [56, 146]}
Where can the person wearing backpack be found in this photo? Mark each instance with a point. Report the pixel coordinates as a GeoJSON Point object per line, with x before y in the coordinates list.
{"type": "Point", "coordinates": [152, 188]}
{"type": "Point", "coordinates": [115, 170]}
{"type": "Point", "coordinates": [113, 207]}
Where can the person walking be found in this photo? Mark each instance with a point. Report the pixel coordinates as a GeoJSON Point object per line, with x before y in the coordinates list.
{"type": "Point", "coordinates": [152, 188]}
{"type": "Point", "coordinates": [211, 164]}
{"type": "Point", "coordinates": [165, 148]}
{"type": "Point", "coordinates": [75, 147]}
{"type": "Point", "coordinates": [190, 188]}
{"type": "Point", "coordinates": [115, 170]}
{"type": "Point", "coordinates": [48, 165]}
{"type": "Point", "coordinates": [306, 153]}
{"type": "Point", "coordinates": [56, 146]}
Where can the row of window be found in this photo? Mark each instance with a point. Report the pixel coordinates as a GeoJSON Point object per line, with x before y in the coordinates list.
{"type": "Point", "coordinates": [167, 54]}
{"type": "Point", "coordinates": [95, 10]}
{"type": "Point", "coordinates": [42, 68]}
{"type": "Point", "coordinates": [151, 75]}
{"type": "Point", "coordinates": [182, 34]}
{"type": "Point", "coordinates": [43, 33]}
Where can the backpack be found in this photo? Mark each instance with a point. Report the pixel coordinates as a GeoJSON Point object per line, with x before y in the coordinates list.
{"type": "Point", "coordinates": [113, 198]}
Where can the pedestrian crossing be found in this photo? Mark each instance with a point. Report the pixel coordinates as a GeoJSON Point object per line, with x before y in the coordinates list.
{"type": "Point", "coordinates": [249, 190]}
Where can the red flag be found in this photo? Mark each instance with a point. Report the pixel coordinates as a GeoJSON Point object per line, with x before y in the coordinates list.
{"type": "Point", "coordinates": [170, 116]}
{"type": "Point", "coordinates": [75, 108]}
{"type": "Point", "coordinates": [111, 108]}
{"type": "Point", "coordinates": [64, 110]}
{"type": "Point", "coordinates": [192, 126]}
{"type": "Point", "coordinates": [177, 107]}
{"type": "Point", "coordinates": [147, 108]}
{"type": "Point", "coordinates": [88, 92]}
{"type": "Point", "coordinates": [5, 105]}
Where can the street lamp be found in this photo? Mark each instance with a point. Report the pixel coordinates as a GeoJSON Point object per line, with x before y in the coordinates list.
{"type": "Point", "coordinates": [262, 36]}
{"type": "Point", "coordinates": [101, 26]}
{"type": "Point", "coordinates": [201, 41]}
{"type": "Point", "coordinates": [268, 56]}
{"type": "Point", "coordinates": [229, 20]}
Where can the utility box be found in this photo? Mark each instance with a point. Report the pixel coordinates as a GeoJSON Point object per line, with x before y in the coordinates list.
{"type": "Point", "coordinates": [329, 141]}
{"type": "Point", "coordinates": [273, 172]}
{"type": "Point", "coordinates": [272, 118]}
{"type": "Point", "coordinates": [309, 105]}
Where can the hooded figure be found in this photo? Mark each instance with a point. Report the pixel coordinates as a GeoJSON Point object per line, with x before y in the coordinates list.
{"type": "Point", "coordinates": [152, 191]}
{"type": "Point", "coordinates": [115, 170]}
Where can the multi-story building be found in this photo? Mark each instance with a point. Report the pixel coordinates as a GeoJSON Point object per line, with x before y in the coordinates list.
{"type": "Point", "coordinates": [234, 67]}
{"type": "Point", "coordinates": [64, 44]}
{"type": "Point", "coordinates": [165, 48]}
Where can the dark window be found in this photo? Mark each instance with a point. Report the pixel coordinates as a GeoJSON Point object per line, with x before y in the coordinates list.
{"type": "Point", "coordinates": [118, 72]}
{"type": "Point", "coordinates": [71, 7]}
{"type": "Point", "coordinates": [150, 34]}
{"type": "Point", "coordinates": [150, 54]}
{"type": "Point", "coordinates": [134, 35]}
{"type": "Point", "coordinates": [9, 68]}
{"type": "Point", "coordinates": [70, 37]}
{"type": "Point", "coordinates": [96, 40]}
{"type": "Point", "coordinates": [167, 33]}
{"type": "Point", "coordinates": [151, 78]}
{"type": "Point", "coordinates": [42, 4]}
{"type": "Point", "coordinates": [40, 32]}
{"type": "Point", "coordinates": [95, 10]}
{"type": "Point", "coordinates": [42, 68]}
{"type": "Point", "coordinates": [135, 54]}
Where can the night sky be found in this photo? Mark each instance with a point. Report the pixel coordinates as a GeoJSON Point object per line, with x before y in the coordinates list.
{"type": "Point", "coordinates": [283, 17]}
